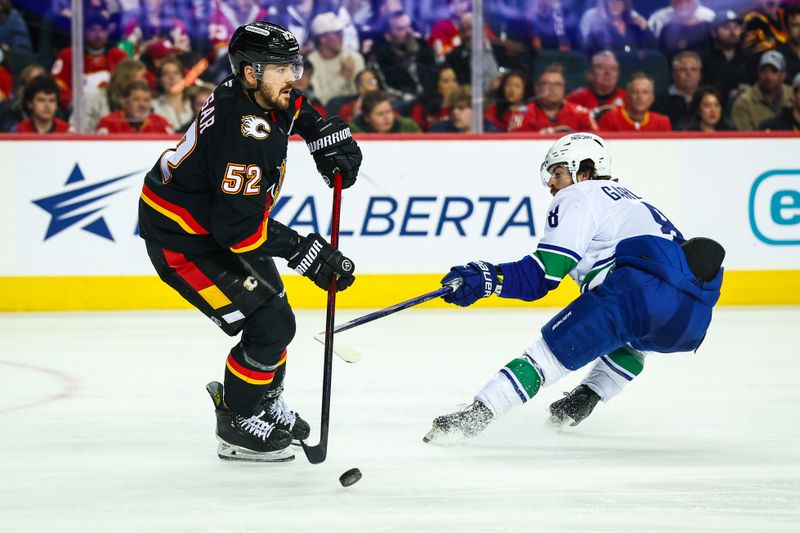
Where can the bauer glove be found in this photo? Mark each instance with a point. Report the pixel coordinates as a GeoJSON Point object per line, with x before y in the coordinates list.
{"type": "Point", "coordinates": [320, 262]}
{"type": "Point", "coordinates": [334, 150]}
{"type": "Point", "coordinates": [479, 279]}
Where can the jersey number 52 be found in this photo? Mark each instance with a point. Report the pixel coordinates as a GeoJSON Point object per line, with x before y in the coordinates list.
{"type": "Point", "coordinates": [241, 176]}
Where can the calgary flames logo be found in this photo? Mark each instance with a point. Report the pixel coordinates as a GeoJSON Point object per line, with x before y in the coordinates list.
{"type": "Point", "coordinates": [255, 127]}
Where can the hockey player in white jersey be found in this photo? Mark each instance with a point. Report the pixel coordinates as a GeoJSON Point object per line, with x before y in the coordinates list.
{"type": "Point", "coordinates": [644, 288]}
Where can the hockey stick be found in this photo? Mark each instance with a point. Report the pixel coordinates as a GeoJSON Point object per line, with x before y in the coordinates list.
{"type": "Point", "coordinates": [316, 454]}
{"type": "Point", "coordinates": [351, 355]}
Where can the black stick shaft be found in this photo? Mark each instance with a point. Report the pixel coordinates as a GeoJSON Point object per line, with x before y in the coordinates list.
{"type": "Point", "coordinates": [317, 454]}
{"type": "Point", "coordinates": [375, 315]}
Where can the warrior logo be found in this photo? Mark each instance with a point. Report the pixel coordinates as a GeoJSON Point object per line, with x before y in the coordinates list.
{"type": "Point", "coordinates": [255, 127]}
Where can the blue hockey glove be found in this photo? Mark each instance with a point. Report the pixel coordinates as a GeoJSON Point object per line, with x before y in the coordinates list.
{"type": "Point", "coordinates": [479, 279]}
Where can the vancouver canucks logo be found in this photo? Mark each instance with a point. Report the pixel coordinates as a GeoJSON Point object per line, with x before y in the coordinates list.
{"type": "Point", "coordinates": [255, 127]}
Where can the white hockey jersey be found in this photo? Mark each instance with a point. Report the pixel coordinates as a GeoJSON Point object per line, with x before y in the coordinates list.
{"type": "Point", "coordinates": [584, 224]}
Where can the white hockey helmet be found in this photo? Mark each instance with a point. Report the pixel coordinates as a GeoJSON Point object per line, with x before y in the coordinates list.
{"type": "Point", "coordinates": [571, 149]}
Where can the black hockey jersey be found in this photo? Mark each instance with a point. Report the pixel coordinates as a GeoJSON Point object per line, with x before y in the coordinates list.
{"type": "Point", "coordinates": [215, 189]}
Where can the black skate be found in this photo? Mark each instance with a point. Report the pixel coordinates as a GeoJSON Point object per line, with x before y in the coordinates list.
{"type": "Point", "coordinates": [276, 412]}
{"type": "Point", "coordinates": [247, 439]}
{"type": "Point", "coordinates": [574, 407]}
{"type": "Point", "coordinates": [468, 422]}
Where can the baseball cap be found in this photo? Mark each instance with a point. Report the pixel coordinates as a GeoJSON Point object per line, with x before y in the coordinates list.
{"type": "Point", "coordinates": [161, 49]}
{"type": "Point", "coordinates": [326, 23]}
{"type": "Point", "coordinates": [728, 15]}
{"type": "Point", "coordinates": [773, 58]}
{"type": "Point", "coordinates": [96, 18]}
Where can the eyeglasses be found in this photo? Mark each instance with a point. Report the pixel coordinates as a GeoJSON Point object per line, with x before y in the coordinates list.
{"type": "Point", "coordinates": [556, 84]}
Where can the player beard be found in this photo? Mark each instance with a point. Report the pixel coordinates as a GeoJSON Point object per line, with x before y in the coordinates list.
{"type": "Point", "coordinates": [273, 99]}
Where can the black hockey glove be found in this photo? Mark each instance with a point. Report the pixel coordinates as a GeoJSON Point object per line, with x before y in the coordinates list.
{"type": "Point", "coordinates": [319, 261]}
{"type": "Point", "coordinates": [334, 150]}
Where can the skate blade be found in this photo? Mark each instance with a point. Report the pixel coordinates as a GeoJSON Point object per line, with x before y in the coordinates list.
{"type": "Point", "coordinates": [229, 452]}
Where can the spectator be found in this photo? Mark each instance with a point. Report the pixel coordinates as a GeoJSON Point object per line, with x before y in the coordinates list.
{"type": "Point", "coordinates": [366, 81]}
{"type": "Point", "coordinates": [553, 28]}
{"type": "Point", "coordinates": [153, 22]}
{"type": "Point", "coordinates": [13, 111]}
{"type": "Point", "coordinates": [225, 18]}
{"type": "Point", "coordinates": [617, 27]}
{"type": "Point", "coordinates": [403, 62]}
{"type": "Point", "coordinates": [446, 33]}
{"type": "Point", "coordinates": [791, 48]}
{"type": "Point", "coordinates": [510, 34]}
{"type": "Point", "coordinates": [296, 17]}
{"type": "Point", "coordinates": [679, 13]}
{"type": "Point", "coordinates": [334, 67]}
{"type": "Point", "coordinates": [512, 94]}
{"type": "Point", "coordinates": [13, 30]}
{"type": "Point", "coordinates": [684, 34]}
{"type": "Point", "coordinates": [378, 116]}
{"type": "Point", "coordinates": [686, 73]}
{"type": "Point", "coordinates": [6, 80]}
{"type": "Point", "coordinates": [602, 93]}
{"type": "Point", "coordinates": [351, 40]}
{"type": "Point", "coordinates": [460, 57]}
{"type": "Point", "coordinates": [767, 97]}
{"type": "Point", "coordinates": [109, 98]}
{"type": "Point", "coordinates": [636, 114]}
{"type": "Point", "coordinates": [460, 121]}
{"type": "Point", "coordinates": [705, 112]}
{"type": "Point", "coordinates": [765, 27]}
{"type": "Point", "coordinates": [198, 96]}
{"type": "Point", "coordinates": [789, 117]}
{"type": "Point", "coordinates": [431, 108]}
{"type": "Point", "coordinates": [549, 112]}
{"type": "Point", "coordinates": [136, 115]}
{"type": "Point", "coordinates": [306, 85]}
{"type": "Point", "coordinates": [41, 100]}
{"type": "Point", "coordinates": [727, 65]}
{"type": "Point", "coordinates": [173, 103]}
{"type": "Point", "coordinates": [99, 60]}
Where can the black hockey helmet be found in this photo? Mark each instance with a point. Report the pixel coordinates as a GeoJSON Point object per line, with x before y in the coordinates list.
{"type": "Point", "coordinates": [261, 43]}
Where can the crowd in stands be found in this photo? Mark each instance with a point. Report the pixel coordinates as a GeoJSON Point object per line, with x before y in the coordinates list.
{"type": "Point", "coordinates": [405, 66]}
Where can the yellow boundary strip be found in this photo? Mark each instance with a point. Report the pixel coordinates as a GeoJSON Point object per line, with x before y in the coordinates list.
{"type": "Point", "coordinates": [75, 293]}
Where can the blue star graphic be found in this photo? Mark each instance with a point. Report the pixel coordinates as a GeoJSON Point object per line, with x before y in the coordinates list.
{"type": "Point", "coordinates": [79, 205]}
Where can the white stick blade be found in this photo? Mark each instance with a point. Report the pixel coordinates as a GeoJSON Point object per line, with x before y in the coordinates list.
{"type": "Point", "coordinates": [343, 351]}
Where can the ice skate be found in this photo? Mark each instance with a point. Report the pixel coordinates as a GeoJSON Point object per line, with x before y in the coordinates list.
{"type": "Point", "coordinates": [278, 413]}
{"type": "Point", "coordinates": [574, 407]}
{"type": "Point", "coordinates": [247, 438]}
{"type": "Point", "coordinates": [468, 422]}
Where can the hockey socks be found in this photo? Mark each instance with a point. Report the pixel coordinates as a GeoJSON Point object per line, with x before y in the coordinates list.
{"type": "Point", "coordinates": [521, 379]}
{"type": "Point", "coordinates": [611, 373]}
{"type": "Point", "coordinates": [247, 380]}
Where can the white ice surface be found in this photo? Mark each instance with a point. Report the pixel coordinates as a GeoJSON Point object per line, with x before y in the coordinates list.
{"type": "Point", "coordinates": [105, 425]}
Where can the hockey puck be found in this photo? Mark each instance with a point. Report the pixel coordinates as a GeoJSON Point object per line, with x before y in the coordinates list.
{"type": "Point", "coordinates": [350, 477]}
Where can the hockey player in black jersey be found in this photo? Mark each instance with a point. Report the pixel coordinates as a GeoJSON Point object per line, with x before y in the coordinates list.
{"type": "Point", "coordinates": [205, 216]}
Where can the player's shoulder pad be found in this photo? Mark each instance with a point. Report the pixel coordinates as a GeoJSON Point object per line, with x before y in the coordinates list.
{"type": "Point", "coordinates": [230, 104]}
{"type": "Point", "coordinates": [574, 192]}
{"type": "Point", "coordinates": [296, 99]}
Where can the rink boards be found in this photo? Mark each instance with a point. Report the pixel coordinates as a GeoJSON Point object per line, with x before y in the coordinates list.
{"type": "Point", "coordinates": [70, 237]}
